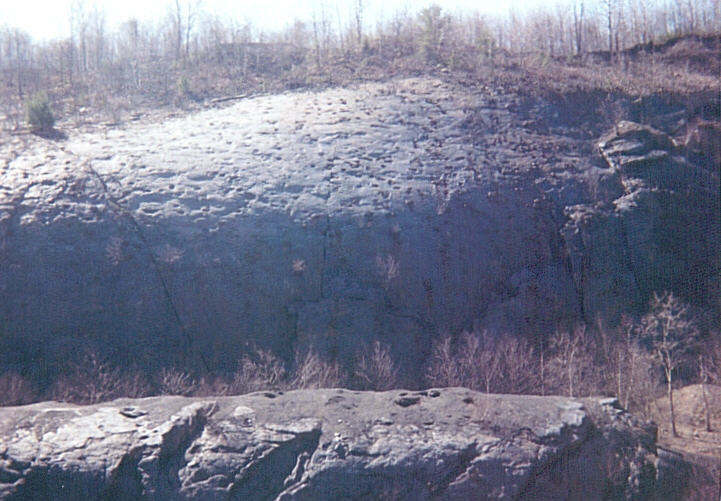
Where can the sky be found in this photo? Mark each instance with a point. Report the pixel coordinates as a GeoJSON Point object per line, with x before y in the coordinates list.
{"type": "Point", "coordinates": [48, 19]}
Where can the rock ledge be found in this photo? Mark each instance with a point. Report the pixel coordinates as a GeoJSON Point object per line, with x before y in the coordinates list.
{"type": "Point", "coordinates": [332, 444]}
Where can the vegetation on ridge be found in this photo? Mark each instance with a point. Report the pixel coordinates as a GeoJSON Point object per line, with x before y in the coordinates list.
{"type": "Point", "coordinates": [191, 56]}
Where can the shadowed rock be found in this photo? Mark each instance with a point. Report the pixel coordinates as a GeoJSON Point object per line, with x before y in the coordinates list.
{"type": "Point", "coordinates": [386, 211]}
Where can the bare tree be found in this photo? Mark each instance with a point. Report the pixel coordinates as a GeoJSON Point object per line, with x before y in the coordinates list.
{"type": "Point", "coordinates": [473, 362]}
{"type": "Point", "coordinates": [470, 360]}
{"type": "Point", "coordinates": [442, 369]}
{"type": "Point", "coordinates": [183, 17]}
{"type": "Point", "coordinates": [640, 20]}
{"type": "Point", "coordinates": [91, 381]}
{"type": "Point", "coordinates": [178, 29]}
{"type": "Point", "coordinates": [358, 13]}
{"type": "Point", "coordinates": [671, 333]}
{"type": "Point", "coordinates": [17, 46]}
{"type": "Point", "coordinates": [703, 367]}
{"type": "Point", "coordinates": [311, 371]}
{"type": "Point", "coordinates": [642, 381]}
{"type": "Point", "coordinates": [482, 362]}
{"type": "Point", "coordinates": [375, 369]}
{"type": "Point", "coordinates": [260, 371]}
{"type": "Point", "coordinates": [321, 33]}
{"type": "Point", "coordinates": [709, 365]}
{"type": "Point", "coordinates": [490, 364]}
{"type": "Point", "coordinates": [79, 33]}
{"type": "Point", "coordinates": [559, 34]}
{"type": "Point", "coordinates": [341, 36]}
{"type": "Point", "coordinates": [129, 46]}
{"type": "Point", "coordinates": [609, 10]}
{"type": "Point", "coordinates": [627, 367]}
{"type": "Point", "coordinates": [15, 390]}
{"type": "Point", "coordinates": [518, 361]}
{"type": "Point", "coordinates": [99, 42]}
{"type": "Point", "coordinates": [570, 361]}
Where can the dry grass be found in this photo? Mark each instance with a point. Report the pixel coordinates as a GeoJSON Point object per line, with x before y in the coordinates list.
{"type": "Point", "coordinates": [694, 442]}
{"type": "Point", "coordinates": [691, 420]}
{"type": "Point", "coordinates": [639, 77]}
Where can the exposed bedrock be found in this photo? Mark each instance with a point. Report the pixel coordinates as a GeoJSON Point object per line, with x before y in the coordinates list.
{"type": "Point", "coordinates": [385, 211]}
{"type": "Point", "coordinates": [447, 444]}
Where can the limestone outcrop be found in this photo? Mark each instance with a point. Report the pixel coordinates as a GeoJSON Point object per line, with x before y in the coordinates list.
{"type": "Point", "coordinates": [386, 211]}
{"type": "Point", "coordinates": [452, 444]}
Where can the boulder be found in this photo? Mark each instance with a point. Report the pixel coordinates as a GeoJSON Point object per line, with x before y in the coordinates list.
{"type": "Point", "coordinates": [330, 444]}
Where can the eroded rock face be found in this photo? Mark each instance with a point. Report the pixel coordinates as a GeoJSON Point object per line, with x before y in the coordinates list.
{"type": "Point", "coordinates": [385, 211]}
{"type": "Point", "coordinates": [661, 233]}
{"type": "Point", "coordinates": [333, 444]}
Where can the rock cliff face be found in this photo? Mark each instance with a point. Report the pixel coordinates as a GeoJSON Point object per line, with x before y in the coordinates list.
{"type": "Point", "coordinates": [451, 444]}
{"type": "Point", "coordinates": [385, 211]}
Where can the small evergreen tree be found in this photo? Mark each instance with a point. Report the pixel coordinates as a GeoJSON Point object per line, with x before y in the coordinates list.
{"type": "Point", "coordinates": [38, 114]}
{"type": "Point", "coordinates": [434, 26]}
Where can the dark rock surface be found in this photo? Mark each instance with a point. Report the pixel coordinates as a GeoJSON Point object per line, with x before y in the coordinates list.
{"type": "Point", "coordinates": [387, 211]}
{"type": "Point", "coordinates": [334, 444]}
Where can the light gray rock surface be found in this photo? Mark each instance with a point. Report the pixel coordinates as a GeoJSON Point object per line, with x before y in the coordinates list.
{"type": "Point", "coordinates": [386, 211]}
{"type": "Point", "coordinates": [452, 444]}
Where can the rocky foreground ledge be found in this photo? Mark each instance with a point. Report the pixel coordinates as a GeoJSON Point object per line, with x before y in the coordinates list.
{"type": "Point", "coordinates": [334, 444]}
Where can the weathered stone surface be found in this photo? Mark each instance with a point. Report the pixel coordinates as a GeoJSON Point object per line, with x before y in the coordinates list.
{"type": "Point", "coordinates": [703, 142]}
{"type": "Point", "coordinates": [387, 211]}
{"type": "Point", "coordinates": [664, 226]}
{"type": "Point", "coordinates": [631, 143]}
{"type": "Point", "coordinates": [333, 444]}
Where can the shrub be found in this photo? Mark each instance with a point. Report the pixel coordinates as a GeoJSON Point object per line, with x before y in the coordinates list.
{"type": "Point", "coordinates": [442, 369]}
{"type": "Point", "coordinates": [483, 362]}
{"type": "Point", "coordinates": [175, 382]}
{"type": "Point", "coordinates": [15, 390]}
{"type": "Point", "coordinates": [132, 385]}
{"type": "Point", "coordinates": [88, 382]}
{"type": "Point", "coordinates": [261, 371]}
{"type": "Point", "coordinates": [375, 369]}
{"type": "Point", "coordinates": [209, 386]}
{"type": "Point", "coordinates": [38, 114]}
{"type": "Point", "coordinates": [313, 372]}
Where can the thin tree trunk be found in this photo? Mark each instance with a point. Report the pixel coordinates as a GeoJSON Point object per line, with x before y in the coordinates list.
{"type": "Point", "coordinates": [178, 30]}
{"type": "Point", "coordinates": [609, 18]}
{"type": "Point", "coordinates": [570, 372]}
{"type": "Point", "coordinates": [631, 381]}
{"type": "Point", "coordinates": [619, 377]}
{"type": "Point", "coordinates": [578, 27]}
{"type": "Point", "coordinates": [706, 406]}
{"type": "Point", "coordinates": [669, 390]}
{"type": "Point", "coordinates": [543, 375]}
{"type": "Point", "coordinates": [704, 380]}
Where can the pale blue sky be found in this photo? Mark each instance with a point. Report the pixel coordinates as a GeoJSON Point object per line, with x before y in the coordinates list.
{"type": "Point", "coordinates": [45, 19]}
